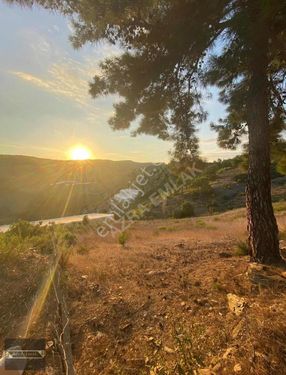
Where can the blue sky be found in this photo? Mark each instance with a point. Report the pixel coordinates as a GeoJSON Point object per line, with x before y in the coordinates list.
{"type": "Point", "coordinates": [45, 107]}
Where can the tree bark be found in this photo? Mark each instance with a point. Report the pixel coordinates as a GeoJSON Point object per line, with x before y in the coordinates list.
{"type": "Point", "coordinates": [262, 226]}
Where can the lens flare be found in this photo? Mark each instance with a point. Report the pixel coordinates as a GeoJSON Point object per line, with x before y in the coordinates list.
{"type": "Point", "coordinates": [80, 152]}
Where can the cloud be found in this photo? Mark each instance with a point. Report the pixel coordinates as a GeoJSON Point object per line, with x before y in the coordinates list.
{"type": "Point", "coordinates": [55, 71]}
{"type": "Point", "coordinates": [69, 79]}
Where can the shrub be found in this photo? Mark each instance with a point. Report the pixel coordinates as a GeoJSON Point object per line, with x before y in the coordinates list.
{"type": "Point", "coordinates": [23, 236]}
{"type": "Point", "coordinates": [69, 239]}
{"type": "Point", "coordinates": [242, 248]}
{"type": "Point", "coordinates": [85, 220]}
{"type": "Point", "coordinates": [186, 210]}
{"type": "Point", "coordinates": [122, 238]}
{"type": "Point", "coordinates": [200, 223]}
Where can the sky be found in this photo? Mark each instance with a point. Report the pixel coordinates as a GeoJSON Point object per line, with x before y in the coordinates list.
{"type": "Point", "coordinates": [45, 107]}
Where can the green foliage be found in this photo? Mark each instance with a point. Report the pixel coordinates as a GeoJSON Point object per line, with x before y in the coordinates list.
{"type": "Point", "coordinates": [122, 238]}
{"type": "Point", "coordinates": [200, 223]}
{"type": "Point", "coordinates": [23, 236]}
{"type": "Point", "coordinates": [186, 210]}
{"type": "Point", "coordinates": [242, 248]}
{"type": "Point", "coordinates": [175, 57]}
{"type": "Point", "coordinates": [279, 206]}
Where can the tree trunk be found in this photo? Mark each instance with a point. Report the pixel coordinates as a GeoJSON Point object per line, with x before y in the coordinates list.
{"type": "Point", "coordinates": [262, 226]}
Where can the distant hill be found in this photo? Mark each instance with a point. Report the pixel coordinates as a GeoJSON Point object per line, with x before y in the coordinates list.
{"type": "Point", "coordinates": [33, 188]}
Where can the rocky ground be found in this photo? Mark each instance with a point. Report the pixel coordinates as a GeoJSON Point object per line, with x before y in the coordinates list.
{"type": "Point", "coordinates": [178, 298]}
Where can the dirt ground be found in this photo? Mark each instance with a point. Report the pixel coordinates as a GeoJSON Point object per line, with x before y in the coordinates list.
{"type": "Point", "coordinates": [160, 304]}
{"type": "Point", "coordinates": [176, 299]}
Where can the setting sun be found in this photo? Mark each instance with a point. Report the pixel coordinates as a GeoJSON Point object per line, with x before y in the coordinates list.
{"type": "Point", "coordinates": [80, 152]}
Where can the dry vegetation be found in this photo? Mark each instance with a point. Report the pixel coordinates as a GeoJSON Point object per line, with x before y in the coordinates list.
{"type": "Point", "coordinates": [159, 305]}
{"type": "Point", "coordinates": [156, 303]}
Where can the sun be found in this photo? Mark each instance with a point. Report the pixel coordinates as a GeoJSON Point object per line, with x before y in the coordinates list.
{"type": "Point", "coordinates": [80, 152]}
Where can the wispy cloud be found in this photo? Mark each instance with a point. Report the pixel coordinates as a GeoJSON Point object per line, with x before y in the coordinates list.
{"type": "Point", "coordinates": [64, 80]}
{"type": "Point", "coordinates": [65, 77]}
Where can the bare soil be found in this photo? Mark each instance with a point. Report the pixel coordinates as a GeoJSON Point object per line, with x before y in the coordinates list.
{"type": "Point", "coordinates": [159, 305]}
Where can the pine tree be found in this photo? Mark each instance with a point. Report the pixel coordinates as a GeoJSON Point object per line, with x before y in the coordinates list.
{"type": "Point", "coordinates": [173, 48]}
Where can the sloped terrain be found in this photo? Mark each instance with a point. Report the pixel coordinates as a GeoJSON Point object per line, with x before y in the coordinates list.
{"type": "Point", "coordinates": [163, 303]}
{"type": "Point", "coordinates": [33, 188]}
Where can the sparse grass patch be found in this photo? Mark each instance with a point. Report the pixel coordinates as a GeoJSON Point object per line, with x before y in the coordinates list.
{"type": "Point", "coordinates": [82, 250]}
{"type": "Point", "coordinates": [168, 229]}
{"type": "Point", "coordinates": [241, 248]}
{"type": "Point", "coordinates": [282, 234]}
{"type": "Point", "coordinates": [122, 238]}
{"type": "Point", "coordinates": [24, 236]}
{"type": "Point", "coordinates": [190, 354]}
{"type": "Point", "coordinates": [200, 223]}
{"type": "Point", "coordinates": [217, 286]}
{"type": "Point", "coordinates": [279, 206]}
{"type": "Point", "coordinates": [99, 275]}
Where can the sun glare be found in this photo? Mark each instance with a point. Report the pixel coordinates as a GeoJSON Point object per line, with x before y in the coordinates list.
{"type": "Point", "coordinates": [80, 153]}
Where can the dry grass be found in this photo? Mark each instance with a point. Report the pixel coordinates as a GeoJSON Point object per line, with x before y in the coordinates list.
{"type": "Point", "coordinates": [160, 306]}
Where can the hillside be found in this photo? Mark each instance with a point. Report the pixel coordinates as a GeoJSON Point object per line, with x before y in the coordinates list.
{"type": "Point", "coordinates": [218, 187]}
{"type": "Point", "coordinates": [33, 188]}
{"type": "Point", "coordinates": [180, 298]}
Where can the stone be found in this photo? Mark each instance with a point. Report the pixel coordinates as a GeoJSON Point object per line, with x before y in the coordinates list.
{"type": "Point", "coordinates": [169, 350]}
{"type": "Point", "coordinates": [237, 368]}
{"type": "Point", "coordinates": [236, 304]}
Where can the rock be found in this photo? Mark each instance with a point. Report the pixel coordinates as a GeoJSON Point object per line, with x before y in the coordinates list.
{"type": "Point", "coordinates": [169, 350]}
{"type": "Point", "coordinates": [236, 304]}
{"type": "Point", "coordinates": [256, 267]}
{"type": "Point", "coordinates": [91, 364]}
{"type": "Point", "coordinates": [158, 273]}
{"type": "Point", "coordinates": [84, 277]}
{"type": "Point", "coordinates": [237, 368]}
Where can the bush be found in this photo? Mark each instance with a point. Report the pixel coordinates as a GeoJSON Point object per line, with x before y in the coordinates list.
{"type": "Point", "coordinates": [69, 239]}
{"type": "Point", "coordinates": [23, 236]}
{"type": "Point", "coordinates": [186, 210]}
{"type": "Point", "coordinates": [122, 238]}
{"type": "Point", "coordinates": [242, 248]}
{"type": "Point", "coordinates": [85, 220]}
